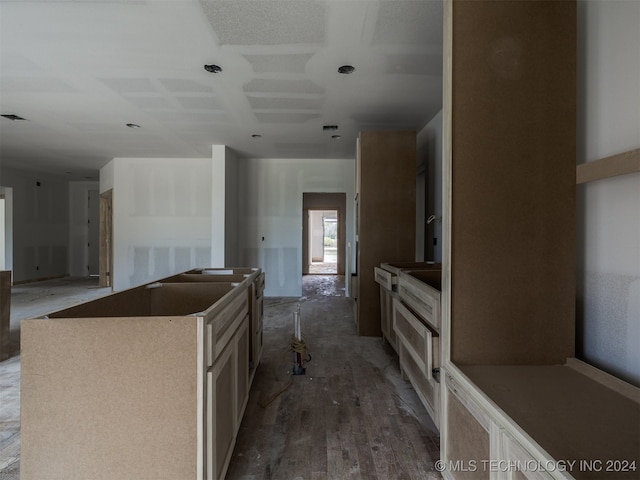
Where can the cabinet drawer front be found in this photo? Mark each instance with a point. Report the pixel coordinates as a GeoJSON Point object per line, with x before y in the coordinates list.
{"type": "Point", "coordinates": [419, 340]}
{"type": "Point", "coordinates": [422, 298]}
{"type": "Point", "coordinates": [385, 279]}
{"type": "Point", "coordinates": [386, 317]}
{"type": "Point", "coordinates": [428, 389]}
{"type": "Point", "coordinates": [222, 326]}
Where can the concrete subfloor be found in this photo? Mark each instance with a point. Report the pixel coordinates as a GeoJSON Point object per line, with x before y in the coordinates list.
{"type": "Point", "coordinates": [349, 416]}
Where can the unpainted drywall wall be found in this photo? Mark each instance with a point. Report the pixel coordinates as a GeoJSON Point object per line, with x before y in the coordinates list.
{"type": "Point", "coordinates": [7, 228]}
{"type": "Point", "coordinates": [40, 214]}
{"type": "Point", "coordinates": [231, 249]}
{"type": "Point", "coordinates": [271, 213]}
{"type": "Point", "coordinates": [608, 310]}
{"type": "Point", "coordinates": [79, 227]}
{"type": "Point", "coordinates": [162, 217]}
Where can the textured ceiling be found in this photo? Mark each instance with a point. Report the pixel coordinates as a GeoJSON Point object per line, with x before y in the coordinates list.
{"type": "Point", "coordinates": [79, 70]}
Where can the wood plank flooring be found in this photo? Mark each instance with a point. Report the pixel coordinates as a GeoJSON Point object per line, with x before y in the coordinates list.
{"type": "Point", "coordinates": [351, 416]}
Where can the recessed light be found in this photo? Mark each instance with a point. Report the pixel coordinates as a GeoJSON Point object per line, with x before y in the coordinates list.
{"type": "Point", "coordinates": [329, 127]}
{"type": "Point", "coordinates": [213, 68]}
{"type": "Point", "coordinates": [13, 117]}
{"type": "Point", "coordinates": [133, 125]}
{"type": "Point", "coordinates": [346, 69]}
{"type": "Point", "coordinates": [256, 135]}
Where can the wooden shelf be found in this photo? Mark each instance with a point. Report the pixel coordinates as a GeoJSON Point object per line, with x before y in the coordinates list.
{"type": "Point", "coordinates": [569, 412]}
{"type": "Point", "coordinates": [620, 164]}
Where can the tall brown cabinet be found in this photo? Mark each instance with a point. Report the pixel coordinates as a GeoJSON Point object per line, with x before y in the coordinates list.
{"type": "Point", "coordinates": [516, 403]}
{"type": "Point", "coordinates": [385, 215]}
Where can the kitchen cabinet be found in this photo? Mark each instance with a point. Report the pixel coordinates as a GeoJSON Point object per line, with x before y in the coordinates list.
{"type": "Point", "coordinates": [150, 382]}
{"type": "Point", "coordinates": [410, 322]}
{"type": "Point", "coordinates": [386, 275]}
{"type": "Point", "coordinates": [416, 322]}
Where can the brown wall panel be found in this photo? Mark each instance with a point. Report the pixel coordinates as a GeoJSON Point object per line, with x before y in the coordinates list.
{"type": "Point", "coordinates": [386, 216]}
{"type": "Point", "coordinates": [513, 175]}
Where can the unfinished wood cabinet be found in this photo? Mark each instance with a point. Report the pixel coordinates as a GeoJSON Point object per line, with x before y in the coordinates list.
{"type": "Point", "coordinates": [227, 395]}
{"type": "Point", "coordinates": [386, 275]}
{"type": "Point", "coordinates": [5, 313]}
{"type": "Point", "coordinates": [536, 422]}
{"type": "Point", "coordinates": [514, 391]}
{"type": "Point", "coordinates": [255, 299]}
{"type": "Point", "coordinates": [416, 323]}
{"type": "Point", "coordinates": [150, 382]}
{"type": "Point", "coordinates": [385, 215]}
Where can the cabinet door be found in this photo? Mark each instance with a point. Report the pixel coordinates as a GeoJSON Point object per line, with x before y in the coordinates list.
{"type": "Point", "coordinates": [221, 416]}
{"type": "Point", "coordinates": [256, 344]}
{"type": "Point", "coordinates": [386, 317]}
{"type": "Point", "coordinates": [242, 369]}
{"type": "Point", "coordinates": [466, 438]}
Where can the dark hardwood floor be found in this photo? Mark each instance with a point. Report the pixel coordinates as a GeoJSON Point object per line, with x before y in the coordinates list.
{"type": "Point", "coordinates": [349, 416]}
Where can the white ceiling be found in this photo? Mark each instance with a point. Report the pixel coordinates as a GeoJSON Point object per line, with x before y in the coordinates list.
{"type": "Point", "coordinates": [79, 70]}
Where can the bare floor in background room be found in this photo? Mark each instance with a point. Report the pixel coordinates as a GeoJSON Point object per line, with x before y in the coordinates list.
{"type": "Point", "coordinates": [349, 416]}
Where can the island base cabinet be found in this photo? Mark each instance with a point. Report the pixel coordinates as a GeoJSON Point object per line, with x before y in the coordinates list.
{"type": "Point", "coordinates": [135, 385]}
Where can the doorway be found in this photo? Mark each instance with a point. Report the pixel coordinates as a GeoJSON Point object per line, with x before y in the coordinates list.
{"type": "Point", "coordinates": [323, 233]}
{"type": "Point", "coordinates": [93, 244]}
{"type": "Point", "coordinates": [6, 228]}
{"type": "Point", "coordinates": [323, 242]}
{"type": "Point", "coordinates": [106, 239]}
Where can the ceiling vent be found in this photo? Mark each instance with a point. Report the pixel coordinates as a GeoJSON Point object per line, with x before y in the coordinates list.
{"type": "Point", "coordinates": [329, 128]}
{"type": "Point", "coordinates": [13, 117]}
{"type": "Point", "coordinates": [213, 68]}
